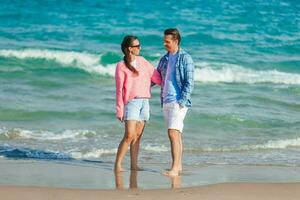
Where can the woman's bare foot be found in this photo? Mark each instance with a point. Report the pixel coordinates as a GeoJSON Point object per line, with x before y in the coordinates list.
{"type": "Point", "coordinates": [137, 168]}
{"type": "Point", "coordinates": [118, 169]}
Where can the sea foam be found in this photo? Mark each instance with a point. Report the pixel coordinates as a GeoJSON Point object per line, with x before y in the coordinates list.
{"type": "Point", "coordinates": [204, 72]}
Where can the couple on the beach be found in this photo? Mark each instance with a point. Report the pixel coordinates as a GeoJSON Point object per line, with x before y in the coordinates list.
{"type": "Point", "coordinates": [134, 74]}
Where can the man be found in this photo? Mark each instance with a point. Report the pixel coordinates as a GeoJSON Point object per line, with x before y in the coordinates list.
{"type": "Point", "coordinates": [177, 72]}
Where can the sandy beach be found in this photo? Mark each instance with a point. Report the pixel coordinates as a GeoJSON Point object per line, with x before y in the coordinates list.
{"type": "Point", "coordinates": [236, 63]}
{"type": "Point", "coordinates": [214, 192]}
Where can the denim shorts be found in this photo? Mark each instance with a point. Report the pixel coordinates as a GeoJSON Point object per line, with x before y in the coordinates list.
{"type": "Point", "coordinates": [137, 109]}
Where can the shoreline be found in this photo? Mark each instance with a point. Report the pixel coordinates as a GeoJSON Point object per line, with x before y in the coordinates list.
{"type": "Point", "coordinates": [95, 175]}
{"type": "Point", "coordinates": [227, 191]}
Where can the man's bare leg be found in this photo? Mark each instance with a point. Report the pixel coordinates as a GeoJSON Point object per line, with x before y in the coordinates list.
{"type": "Point", "coordinates": [174, 136]}
{"type": "Point", "coordinates": [181, 152]}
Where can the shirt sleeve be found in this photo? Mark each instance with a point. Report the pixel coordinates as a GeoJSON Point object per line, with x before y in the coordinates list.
{"type": "Point", "coordinates": [188, 84]}
{"type": "Point", "coordinates": [119, 78]}
{"type": "Point", "coordinates": [155, 76]}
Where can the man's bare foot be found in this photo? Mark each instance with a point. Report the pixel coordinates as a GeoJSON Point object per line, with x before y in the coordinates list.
{"type": "Point", "coordinates": [171, 173]}
{"type": "Point", "coordinates": [179, 170]}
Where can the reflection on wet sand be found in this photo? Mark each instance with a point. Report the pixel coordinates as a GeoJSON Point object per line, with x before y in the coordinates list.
{"type": "Point", "coordinates": [132, 180]}
{"type": "Point", "coordinates": [175, 181]}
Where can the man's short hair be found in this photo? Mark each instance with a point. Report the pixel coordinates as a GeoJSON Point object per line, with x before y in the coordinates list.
{"type": "Point", "coordinates": [174, 32]}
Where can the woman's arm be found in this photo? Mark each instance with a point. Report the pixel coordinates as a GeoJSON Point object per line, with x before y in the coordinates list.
{"type": "Point", "coordinates": [119, 78]}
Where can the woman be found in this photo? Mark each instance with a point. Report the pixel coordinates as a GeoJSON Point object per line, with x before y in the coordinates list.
{"type": "Point", "coordinates": [133, 81]}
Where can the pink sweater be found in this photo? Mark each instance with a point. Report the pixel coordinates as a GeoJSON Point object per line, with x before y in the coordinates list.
{"type": "Point", "coordinates": [130, 86]}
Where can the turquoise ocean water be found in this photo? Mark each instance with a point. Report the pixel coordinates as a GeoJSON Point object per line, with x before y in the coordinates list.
{"type": "Point", "coordinates": [57, 61]}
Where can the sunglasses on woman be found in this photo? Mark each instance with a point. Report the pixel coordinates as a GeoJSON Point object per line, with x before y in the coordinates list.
{"type": "Point", "coordinates": [138, 46]}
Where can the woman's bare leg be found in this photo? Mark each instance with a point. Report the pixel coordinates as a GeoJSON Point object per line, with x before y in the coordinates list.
{"type": "Point", "coordinates": [129, 135]}
{"type": "Point", "coordinates": [135, 145]}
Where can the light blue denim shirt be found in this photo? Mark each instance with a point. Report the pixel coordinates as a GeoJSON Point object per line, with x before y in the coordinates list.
{"type": "Point", "coordinates": [184, 72]}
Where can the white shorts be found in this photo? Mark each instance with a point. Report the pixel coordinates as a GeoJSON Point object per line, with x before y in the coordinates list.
{"type": "Point", "coordinates": [174, 115]}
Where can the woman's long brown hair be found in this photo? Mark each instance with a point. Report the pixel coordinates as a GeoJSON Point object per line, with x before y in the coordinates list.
{"type": "Point", "coordinates": [127, 42]}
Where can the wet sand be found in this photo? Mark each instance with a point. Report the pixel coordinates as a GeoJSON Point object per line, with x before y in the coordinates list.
{"type": "Point", "coordinates": [238, 191]}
